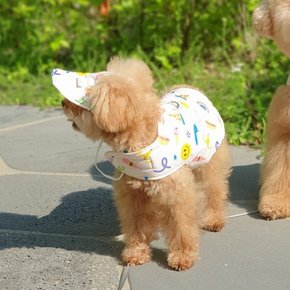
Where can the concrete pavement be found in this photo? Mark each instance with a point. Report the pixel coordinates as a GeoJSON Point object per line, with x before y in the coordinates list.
{"type": "Point", "coordinates": [58, 223]}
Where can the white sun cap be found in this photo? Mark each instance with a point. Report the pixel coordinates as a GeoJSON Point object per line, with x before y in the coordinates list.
{"type": "Point", "coordinates": [73, 85]}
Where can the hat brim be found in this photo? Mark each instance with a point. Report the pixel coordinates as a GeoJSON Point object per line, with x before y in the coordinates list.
{"type": "Point", "coordinates": [73, 85]}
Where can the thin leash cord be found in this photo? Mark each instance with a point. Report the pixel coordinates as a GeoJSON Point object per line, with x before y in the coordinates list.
{"type": "Point", "coordinates": [125, 271]}
{"type": "Point", "coordinates": [123, 278]}
{"type": "Point", "coordinates": [100, 171]}
{"type": "Point", "coordinates": [242, 214]}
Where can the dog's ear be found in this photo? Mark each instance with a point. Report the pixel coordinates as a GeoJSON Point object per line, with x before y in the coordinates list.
{"type": "Point", "coordinates": [262, 20]}
{"type": "Point", "coordinates": [113, 103]}
{"type": "Point", "coordinates": [132, 69]}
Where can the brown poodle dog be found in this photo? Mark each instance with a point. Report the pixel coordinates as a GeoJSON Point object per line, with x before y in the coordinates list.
{"type": "Point", "coordinates": [271, 19]}
{"type": "Point", "coordinates": [125, 111]}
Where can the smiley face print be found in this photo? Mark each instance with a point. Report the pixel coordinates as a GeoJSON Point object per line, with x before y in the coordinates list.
{"type": "Point", "coordinates": [185, 151]}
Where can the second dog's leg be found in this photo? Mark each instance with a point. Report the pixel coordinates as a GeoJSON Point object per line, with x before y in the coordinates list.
{"type": "Point", "coordinates": [213, 178]}
{"type": "Point", "coordinates": [275, 192]}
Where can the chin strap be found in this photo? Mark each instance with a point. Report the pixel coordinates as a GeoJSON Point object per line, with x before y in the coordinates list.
{"type": "Point", "coordinates": [100, 171]}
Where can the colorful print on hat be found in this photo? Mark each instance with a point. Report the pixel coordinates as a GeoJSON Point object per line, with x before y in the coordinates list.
{"type": "Point", "coordinates": [73, 85]}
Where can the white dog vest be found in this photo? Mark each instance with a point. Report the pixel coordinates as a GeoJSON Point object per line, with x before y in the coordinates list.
{"type": "Point", "coordinates": [189, 133]}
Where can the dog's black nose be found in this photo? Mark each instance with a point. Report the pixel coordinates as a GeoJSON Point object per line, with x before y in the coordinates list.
{"type": "Point", "coordinates": [62, 103]}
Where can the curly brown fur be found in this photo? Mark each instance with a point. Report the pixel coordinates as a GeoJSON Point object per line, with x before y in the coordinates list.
{"type": "Point", "coordinates": [275, 191]}
{"type": "Point", "coordinates": [125, 114]}
{"type": "Point", "coordinates": [272, 19]}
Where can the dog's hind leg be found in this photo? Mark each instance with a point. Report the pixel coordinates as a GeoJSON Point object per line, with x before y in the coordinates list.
{"type": "Point", "coordinates": [275, 192]}
{"type": "Point", "coordinates": [213, 178]}
{"type": "Point", "coordinates": [274, 200]}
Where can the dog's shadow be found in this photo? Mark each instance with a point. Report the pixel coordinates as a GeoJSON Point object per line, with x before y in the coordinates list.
{"type": "Point", "coordinates": [244, 186]}
{"type": "Point", "coordinates": [82, 217]}
{"type": "Point", "coordinates": [79, 222]}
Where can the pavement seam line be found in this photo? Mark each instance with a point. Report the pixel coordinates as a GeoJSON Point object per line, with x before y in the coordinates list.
{"type": "Point", "coordinates": [56, 235]}
{"type": "Point", "coordinates": [20, 172]}
{"type": "Point", "coordinates": [29, 124]}
{"type": "Point", "coordinates": [5, 169]}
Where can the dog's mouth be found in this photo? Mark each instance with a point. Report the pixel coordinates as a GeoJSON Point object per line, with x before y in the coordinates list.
{"type": "Point", "coordinates": [72, 112]}
{"type": "Point", "coordinates": [74, 125]}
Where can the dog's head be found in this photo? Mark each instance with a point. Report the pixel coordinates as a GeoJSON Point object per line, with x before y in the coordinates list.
{"type": "Point", "coordinates": [119, 101]}
{"type": "Point", "coordinates": [271, 19]}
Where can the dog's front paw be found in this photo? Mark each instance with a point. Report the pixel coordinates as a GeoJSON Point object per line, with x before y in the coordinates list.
{"type": "Point", "coordinates": [214, 226]}
{"type": "Point", "coordinates": [274, 208]}
{"type": "Point", "coordinates": [181, 261]}
{"type": "Point", "coordinates": [213, 222]}
{"type": "Point", "coordinates": [138, 255]}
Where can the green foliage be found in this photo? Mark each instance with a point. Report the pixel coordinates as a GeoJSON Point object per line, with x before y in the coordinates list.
{"type": "Point", "coordinates": [209, 44]}
{"type": "Point", "coordinates": [39, 34]}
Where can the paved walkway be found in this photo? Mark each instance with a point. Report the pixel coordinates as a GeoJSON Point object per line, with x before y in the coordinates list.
{"type": "Point", "coordinates": [58, 225]}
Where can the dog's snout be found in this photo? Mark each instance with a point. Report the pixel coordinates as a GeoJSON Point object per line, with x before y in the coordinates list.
{"type": "Point", "coordinates": [62, 103]}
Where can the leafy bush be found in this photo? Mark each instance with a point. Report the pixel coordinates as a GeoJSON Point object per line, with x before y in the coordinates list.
{"type": "Point", "coordinates": [39, 34]}
{"type": "Point", "coordinates": [209, 44]}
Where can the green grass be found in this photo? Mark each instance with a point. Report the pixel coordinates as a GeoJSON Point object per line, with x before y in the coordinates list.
{"type": "Point", "coordinates": [24, 89]}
